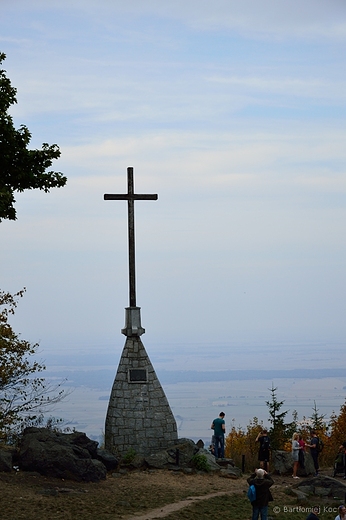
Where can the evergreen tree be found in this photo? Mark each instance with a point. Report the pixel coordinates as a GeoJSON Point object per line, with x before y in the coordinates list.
{"type": "Point", "coordinates": [279, 431]}
{"type": "Point", "coordinates": [317, 420]}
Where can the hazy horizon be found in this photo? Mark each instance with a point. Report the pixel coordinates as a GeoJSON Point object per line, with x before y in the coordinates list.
{"type": "Point", "coordinates": [241, 391]}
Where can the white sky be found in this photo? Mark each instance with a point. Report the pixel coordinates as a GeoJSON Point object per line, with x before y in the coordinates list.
{"type": "Point", "coordinates": [234, 113]}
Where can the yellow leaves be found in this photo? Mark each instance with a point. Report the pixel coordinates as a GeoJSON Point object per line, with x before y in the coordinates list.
{"type": "Point", "coordinates": [240, 442]}
{"type": "Point", "coordinates": [287, 446]}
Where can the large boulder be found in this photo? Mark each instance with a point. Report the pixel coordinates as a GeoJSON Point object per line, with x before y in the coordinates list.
{"type": "Point", "coordinates": [5, 460]}
{"type": "Point", "coordinates": [186, 454]}
{"type": "Point", "coordinates": [180, 454]}
{"type": "Point", "coordinates": [322, 486]}
{"type": "Point", "coordinates": [63, 455]}
{"type": "Point", "coordinates": [282, 463]}
{"type": "Point", "coordinates": [210, 459]}
{"type": "Point", "coordinates": [230, 472]}
{"type": "Point", "coordinates": [107, 458]}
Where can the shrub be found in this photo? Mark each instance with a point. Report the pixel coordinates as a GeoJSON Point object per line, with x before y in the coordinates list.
{"type": "Point", "coordinates": [200, 462]}
{"type": "Point", "coordinates": [129, 456]}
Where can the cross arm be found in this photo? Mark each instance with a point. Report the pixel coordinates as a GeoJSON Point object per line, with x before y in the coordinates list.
{"type": "Point", "coordinates": [129, 196]}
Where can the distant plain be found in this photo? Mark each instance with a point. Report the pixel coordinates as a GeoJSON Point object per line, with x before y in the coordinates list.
{"type": "Point", "coordinates": [201, 380]}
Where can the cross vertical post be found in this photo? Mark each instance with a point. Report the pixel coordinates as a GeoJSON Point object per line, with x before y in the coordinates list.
{"type": "Point", "coordinates": [131, 237]}
{"type": "Point", "coordinates": [133, 319]}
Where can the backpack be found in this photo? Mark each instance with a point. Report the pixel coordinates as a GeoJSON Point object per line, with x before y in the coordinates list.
{"type": "Point", "coordinates": [320, 445]}
{"type": "Point", "coordinates": [251, 493]}
{"type": "Point", "coordinates": [265, 443]}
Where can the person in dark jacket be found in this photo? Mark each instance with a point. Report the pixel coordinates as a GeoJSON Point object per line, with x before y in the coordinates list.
{"type": "Point", "coordinates": [313, 515]}
{"type": "Point", "coordinates": [262, 482]}
{"type": "Point", "coordinates": [342, 449]}
{"type": "Point", "coordinates": [264, 447]}
{"type": "Point", "coordinates": [314, 450]}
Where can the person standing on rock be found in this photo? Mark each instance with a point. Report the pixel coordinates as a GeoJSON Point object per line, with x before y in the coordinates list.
{"type": "Point", "coordinates": [302, 444]}
{"type": "Point", "coordinates": [295, 453]}
{"type": "Point", "coordinates": [263, 452]}
{"type": "Point", "coordinates": [342, 449]}
{"type": "Point", "coordinates": [262, 482]}
{"type": "Point", "coordinates": [314, 450]}
{"type": "Point", "coordinates": [219, 427]}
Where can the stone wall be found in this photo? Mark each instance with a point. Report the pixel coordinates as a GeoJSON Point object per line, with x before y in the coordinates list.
{"type": "Point", "coordinates": [139, 416]}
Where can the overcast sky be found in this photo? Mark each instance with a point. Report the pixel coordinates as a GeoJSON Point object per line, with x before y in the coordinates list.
{"type": "Point", "coordinates": [234, 113]}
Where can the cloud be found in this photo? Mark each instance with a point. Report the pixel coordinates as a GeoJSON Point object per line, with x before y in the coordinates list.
{"type": "Point", "coordinates": [254, 19]}
{"type": "Point", "coordinates": [313, 88]}
{"type": "Point", "coordinates": [203, 161]}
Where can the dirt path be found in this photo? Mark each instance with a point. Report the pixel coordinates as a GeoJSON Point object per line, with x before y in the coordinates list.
{"type": "Point", "coordinates": [161, 512]}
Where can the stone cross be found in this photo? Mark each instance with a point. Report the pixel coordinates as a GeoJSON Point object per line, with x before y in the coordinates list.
{"type": "Point", "coordinates": [133, 321]}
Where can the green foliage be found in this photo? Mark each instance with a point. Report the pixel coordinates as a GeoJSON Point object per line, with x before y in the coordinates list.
{"type": "Point", "coordinates": [20, 168]}
{"type": "Point", "coordinates": [23, 397]}
{"type": "Point", "coordinates": [129, 456]}
{"type": "Point", "coordinates": [280, 431]}
{"type": "Point", "coordinates": [200, 462]}
{"type": "Point", "coordinates": [318, 422]}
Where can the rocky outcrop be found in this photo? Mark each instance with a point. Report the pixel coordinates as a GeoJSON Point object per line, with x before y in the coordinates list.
{"type": "Point", "coordinates": [180, 454]}
{"type": "Point", "coordinates": [282, 463]}
{"type": "Point", "coordinates": [107, 459]}
{"type": "Point", "coordinates": [230, 472]}
{"type": "Point", "coordinates": [6, 457]}
{"type": "Point", "coordinates": [63, 455]}
{"type": "Point", "coordinates": [322, 486]}
{"type": "Point", "coordinates": [186, 454]}
{"type": "Point", "coordinates": [75, 456]}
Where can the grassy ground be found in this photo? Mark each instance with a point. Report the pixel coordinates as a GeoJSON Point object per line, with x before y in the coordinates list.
{"type": "Point", "coordinates": [235, 507]}
{"type": "Point", "coordinates": [30, 496]}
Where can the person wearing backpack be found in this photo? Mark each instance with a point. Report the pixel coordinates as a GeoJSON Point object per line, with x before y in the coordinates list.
{"type": "Point", "coordinates": [314, 450]}
{"type": "Point", "coordinates": [264, 447]}
{"type": "Point", "coordinates": [342, 449]}
{"type": "Point", "coordinates": [262, 482]}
